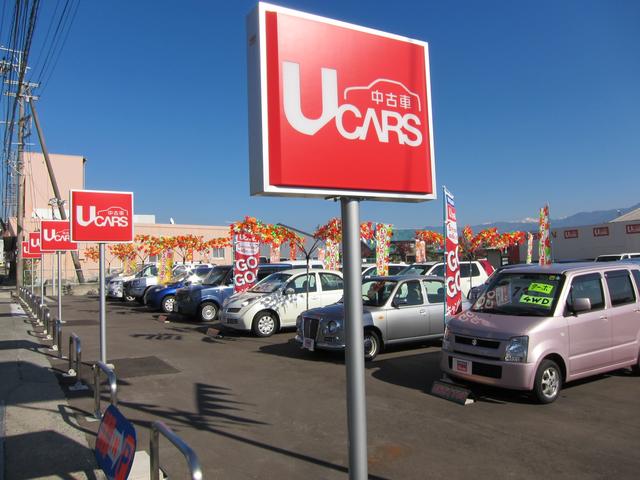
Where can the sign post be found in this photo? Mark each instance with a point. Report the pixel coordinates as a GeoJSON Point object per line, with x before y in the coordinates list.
{"type": "Point", "coordinates": [350, 120]}
{"type": "Point", "coordinates": [101, 217]}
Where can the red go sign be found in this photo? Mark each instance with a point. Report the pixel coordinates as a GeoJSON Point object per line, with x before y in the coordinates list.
{"type": "Point", "coordinates": [105, 217]}
{"type": "Point", "coordinates": [246, 257]}
{"type": "Point", "coordinates": [55, 236]}
{"type": "Point", "coordinates": [337, 109]}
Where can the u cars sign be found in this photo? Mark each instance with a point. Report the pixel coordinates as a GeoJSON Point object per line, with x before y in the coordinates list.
{"type": "Point", "coordinates": [55, 235]}
{"type": "Point", "coordinates": [337, 110]}
{"type": "Point", "coordinates": [103, 217]}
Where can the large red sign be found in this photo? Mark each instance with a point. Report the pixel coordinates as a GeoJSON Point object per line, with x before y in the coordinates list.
{"type": "Point", "coordinates": [26, 253]}
{"type": "Point", "coordinates": [55, 236]}
{"type": "Point", "coordinates": [105, 217]}
{"type": "Point", "coordinates": [337, 109]}
{"type": "Point", "coordinates": [452, 262]}
{"type": "Point", "coordinates": [246, 257]}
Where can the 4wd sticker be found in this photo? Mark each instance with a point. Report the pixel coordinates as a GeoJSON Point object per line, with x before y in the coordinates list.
{"type": "Point", "coordinates": [544, 302]}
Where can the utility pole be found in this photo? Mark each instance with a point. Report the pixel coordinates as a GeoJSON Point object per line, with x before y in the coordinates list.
{"type": "Point", "coordinates": [20, 193]}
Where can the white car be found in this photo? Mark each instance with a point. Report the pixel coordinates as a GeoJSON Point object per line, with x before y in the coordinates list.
{"type": "Point", "coordinates": [277, 300]}
{"type": "Point", "coordinates": [617, 256]}
{"type": "Point", "coordinates": [472, 273]}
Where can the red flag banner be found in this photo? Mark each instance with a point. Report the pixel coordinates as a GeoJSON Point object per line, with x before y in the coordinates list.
{"type": "Point", "coordinates": [452, 263]}
{"type": "Point", "coordinates": [246, 257]}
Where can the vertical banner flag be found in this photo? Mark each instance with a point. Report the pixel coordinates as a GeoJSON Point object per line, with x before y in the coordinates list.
{"type": "Point", "coordinates": [529, 247]}
{"type": "Point", "coordinates": [383, 245]}
{"type": "Point", "coordinates": [332, 258]}
{"type": "Point", "coordinates": [321, 255]}
{"type": "Point", "coordinates": [452, 265]}
{"type": "Point", "coordinates": [274, 256]}
{"type": "Point", "coordinates": [293, 250]}
{"type": "Point", "coordinates": [544, 243]}
{"type": "Point", "coordinates": [421, 251]}
{"type": "Point", "coordinates": [246, 257]}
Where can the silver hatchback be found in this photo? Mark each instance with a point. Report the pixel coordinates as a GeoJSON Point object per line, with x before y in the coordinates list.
{"type": "Point", "coordinates": [396, 309]}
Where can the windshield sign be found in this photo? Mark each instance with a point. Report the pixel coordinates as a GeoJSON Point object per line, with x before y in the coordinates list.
{"type": "Point", "coordinates": [520, 294]}
{"type": "Point", "coordinates": [375, 293]}
{"type": "Point", "coordinates": [271, 283]}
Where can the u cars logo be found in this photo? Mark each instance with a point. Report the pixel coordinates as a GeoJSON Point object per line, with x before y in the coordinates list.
{"type": "Point", "coordinates": [109, 217]}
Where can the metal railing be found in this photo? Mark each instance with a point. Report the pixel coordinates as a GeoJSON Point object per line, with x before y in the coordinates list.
{"type": "Point", "coordinates": [75, 360]}
{"type": "Point", "coordinates": [113, 387]}
{"type": "Point", "coordinates": [190, 456]}
{"type": "Point", "coordinates": [57, 337]}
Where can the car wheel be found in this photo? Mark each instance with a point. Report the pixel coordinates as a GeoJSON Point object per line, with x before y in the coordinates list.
{"type": "Point", "coordinates": [548, 382]}
{"type": "Point", "coordinates": [372, 345]}
{"type": "Point", "coordinates": [208, 312]}
{"type": "Point", "coordinates": [167, 303]}
{"type": "Point", "coordinates": [264, 324]}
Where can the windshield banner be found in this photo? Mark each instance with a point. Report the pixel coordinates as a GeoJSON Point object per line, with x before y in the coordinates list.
{"type": "Point", "coordinates": [246, 257]}
{"type": "Point", "coordinates": [452, 264]}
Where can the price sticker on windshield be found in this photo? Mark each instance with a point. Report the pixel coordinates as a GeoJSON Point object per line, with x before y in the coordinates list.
{"type": "Point", "coordinates": [544, 302]}
{"type": "Point", "coordinates": [541, 288]}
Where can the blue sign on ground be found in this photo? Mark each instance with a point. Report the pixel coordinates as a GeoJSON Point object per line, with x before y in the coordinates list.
{"type": "Point", "coordinates": [115, 445]}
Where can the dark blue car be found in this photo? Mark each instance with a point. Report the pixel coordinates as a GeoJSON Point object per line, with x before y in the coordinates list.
{"type": "Point", "coordinates": [162, 297]}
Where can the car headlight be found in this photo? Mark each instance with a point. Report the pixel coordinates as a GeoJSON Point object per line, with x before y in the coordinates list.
{"type": "Point", "coordinates": [248, 302]}
{"type": "Point", "coordinates": [517, 350]}
{"type": "Point", "coordinates": [446, 340]}
{"type": "Point", "coordinates": [332, 326]}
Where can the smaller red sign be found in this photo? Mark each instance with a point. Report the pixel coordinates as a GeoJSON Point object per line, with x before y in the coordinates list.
{"type": "Point", "coordinates": [634, 228]}
{"type": "Point", "coordinates": [55, 236]}
{"type": "Point", "coordinates": [570, 234]}
{"type": "Point", "coordinates": [601, 232]}
{"type": "Point", "coordinates": [246, 257]}
{"type": "Point", "coordinates": [34, 243]}
{"type": "Point", "coordinates": [103, 217]}
{"type": "Point", "coordinates": [26, 253]}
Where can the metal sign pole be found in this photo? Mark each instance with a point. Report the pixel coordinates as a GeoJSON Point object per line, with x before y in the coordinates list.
{"type": "Point", "coordinates": [59, 287]}
{"type": "Point", "coordinates": [354, 356]}
{"type": "Point", "coordinates": [103, 316]}
{"type": "Point", "coordinates": [42, 280]}
{"type": "Point", "coordinates": [31, 261]}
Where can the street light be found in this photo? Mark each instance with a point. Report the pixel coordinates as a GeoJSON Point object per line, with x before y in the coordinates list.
{"type": "Point", "coordinates": [307, 253]}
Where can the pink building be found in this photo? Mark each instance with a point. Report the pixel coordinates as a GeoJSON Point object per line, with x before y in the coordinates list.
{"type": "Point", "coordinates": [69, 171]}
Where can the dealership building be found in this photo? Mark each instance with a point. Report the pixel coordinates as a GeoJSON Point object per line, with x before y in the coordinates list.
{"type": "Point", "coordinates": [69, 171]}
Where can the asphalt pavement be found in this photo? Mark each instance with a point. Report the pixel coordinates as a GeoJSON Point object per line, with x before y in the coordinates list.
{"type": "Point", "coordinates": [263, 408]}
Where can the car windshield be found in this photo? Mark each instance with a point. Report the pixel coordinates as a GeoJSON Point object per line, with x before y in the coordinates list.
{"type": "Point", "coordinates": [415, 270]}
{"type": "Point", "coordinates": [375, 293]}
{"type": "Point", "coordinates": [216, 276]}
{"type": "Point", "coordinates": [271, 283]}
{"type": "Point", "coordinates": [178, 277]}
{"type": "Point", "coordinates": [202, 272]}
{"type": "Point", "coordinates": [521, 294]}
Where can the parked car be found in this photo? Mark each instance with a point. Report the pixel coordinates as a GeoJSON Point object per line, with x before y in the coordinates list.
{"type": "Point", "coordinates": [145, 278]}
{"type": "Point", "coordinates": [372, 270]}
{"type": "Point", "coordinates": [204, 301]}
{"type": "Point", "coordinates": [475, 292]}
{"type": "Point", "coordinates": [538, 327]}
{"type": "Point", "coordinates": [276, 301]}
{"type": "Point", "coordinates": [162, 297]}
{"type": "Point", "coordinates": [616, 256]}
{"type": "Point", "coordinates": [397, 309]}
{"type": "Point", "coordinates": [471, 272]}
{"type": "Point", "coordinates": [116, 284]}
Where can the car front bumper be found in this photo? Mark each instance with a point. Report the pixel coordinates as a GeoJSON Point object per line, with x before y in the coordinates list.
{"type": "Point", "coordinates": [234, 320]}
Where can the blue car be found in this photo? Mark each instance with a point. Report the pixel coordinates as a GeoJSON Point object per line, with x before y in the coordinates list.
{"type": "Point", "coordinates": [162, 297]}
{"type": "Point", "coordinates": [204, 301]}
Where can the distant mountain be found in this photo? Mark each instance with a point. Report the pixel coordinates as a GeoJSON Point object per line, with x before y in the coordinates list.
{"type": "Point", "coordinates": [575, 220]}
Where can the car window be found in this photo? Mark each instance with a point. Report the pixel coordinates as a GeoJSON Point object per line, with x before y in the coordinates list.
{"type": "Point", "coordinates": [409, 293]}
{"type": "Point", "coordinates": [636, 275]}
{"type": "Point", "coordinates": [620, 287]}
{"type": "Point", "coordinates": [466, 267]}
{"type": "Point", "coordinates": [635, 255]}
{"type": "Point", "coordinates": [299, 284]}
{"type": "Point", "coordinates": [395, 269]}
{"type": "Point", "coordinates": [435, 290]}
{"type": "Point", "coordinates": [438, 270]}
{"type": "Point", "coordinates": [587, 286]}
{"type": "Point", "coordinates": [330, 281]}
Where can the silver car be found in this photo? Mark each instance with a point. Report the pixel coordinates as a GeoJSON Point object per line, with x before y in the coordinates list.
{"type": "Point", "coordinates": [396, 309]}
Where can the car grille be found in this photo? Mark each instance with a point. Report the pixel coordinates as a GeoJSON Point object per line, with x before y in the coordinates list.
{"type": "Point", "coordinates": [479, 342]}
{"type": "Point", "coordinates": [233, 310]}
{"type": "Point", "coordinates": [310, 327]}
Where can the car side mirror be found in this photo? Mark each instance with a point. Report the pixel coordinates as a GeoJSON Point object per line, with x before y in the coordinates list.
{"type": "Point", "coordinates": [398, 302]}
{"type": "Point", "coordinates": [581, 305]}
{"type": "Point", "coordinates": [289, 291]}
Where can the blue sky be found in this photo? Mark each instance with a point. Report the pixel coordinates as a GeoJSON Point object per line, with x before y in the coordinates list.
{"type": "Point", "coordinates": [532, 102]}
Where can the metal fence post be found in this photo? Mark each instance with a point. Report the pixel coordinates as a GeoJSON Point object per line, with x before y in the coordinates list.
{"type": "Point", "coordinates": [195, 469]}
{"type": "Point", "coordinates": [113, 387]}
{"type": "Point", "coordinates": [75, 356]}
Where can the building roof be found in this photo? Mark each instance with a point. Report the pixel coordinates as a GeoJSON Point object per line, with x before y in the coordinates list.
{"type": "Point", "coordinates": [631, 216]}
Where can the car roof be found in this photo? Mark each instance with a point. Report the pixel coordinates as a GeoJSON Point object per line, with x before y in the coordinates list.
{"type": "Point", "coordinates": [562, 268]}
{"type": "Point", "coordinates": [401, 278]}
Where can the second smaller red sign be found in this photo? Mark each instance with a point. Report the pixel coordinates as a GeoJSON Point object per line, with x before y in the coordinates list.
{"type": "Point", "coordinates": [55, 236]}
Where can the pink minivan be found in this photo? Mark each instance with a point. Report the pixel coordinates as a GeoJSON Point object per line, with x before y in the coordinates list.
{"type": "Point", "coordinates": [536, 327]}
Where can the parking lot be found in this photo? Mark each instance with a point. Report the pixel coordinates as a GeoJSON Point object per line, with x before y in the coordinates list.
{"type": "Point", "coordinates": [263, 408]}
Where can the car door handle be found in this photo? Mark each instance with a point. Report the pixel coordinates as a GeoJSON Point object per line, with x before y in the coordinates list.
{"type": "Point", "coordinates": [604, 318]}
{"type": "Point", "coordinates": [423, 312]}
